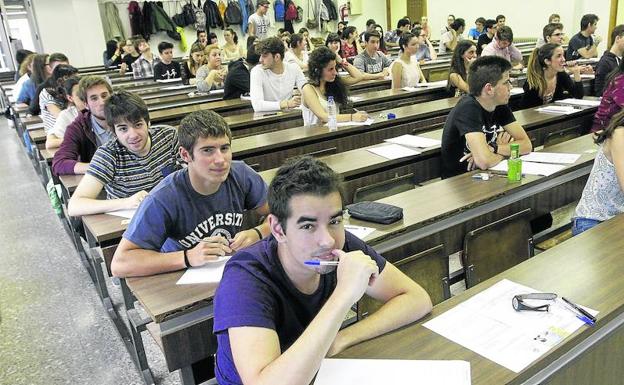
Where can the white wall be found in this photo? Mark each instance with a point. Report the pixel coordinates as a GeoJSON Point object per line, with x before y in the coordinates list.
{"type": "Point", "coordinates": [526, 17]}
{"type": "Point", "coordinates": [72, 27]}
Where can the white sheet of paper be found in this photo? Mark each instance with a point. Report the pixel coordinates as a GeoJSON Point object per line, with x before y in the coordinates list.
{"type": "Point", "coordinates": [488, 325]}
{"type": "Point", "coordinates": [209, 273]}
{"type": "Point", "coordinates": [550, 157]}
{"type": "Point", "coordinates": [560, 110]}
{"type": "Point", "coordinates": [516, 91]}
{"type": "Point", "coordinates": [531, 168]}
{"type": "Point", "coordinates": [367, 122]}
{"type": "Point", "coordinates": [393, 151]}
{"type": "Point", "coordinates": [175, 80]}
{"type": "Point", "coordinates": [175, 87]}
{"type": "Point", "coordinates": [128, 213]}
{"type": "Point", "coordinates": [414, 141]}
{"type": "Point", "coordinates": [393, 372]}
{"type": "Point", "coordinates": [245, 97]}
{"type": "Point", "coordinates": [578, 102]}
{"type": "Point", "coordinates": [588, 76]}
{"type": "Point", "coordinates": [217, 92]}
{"type": "Point", "coordinates": [359, 231]}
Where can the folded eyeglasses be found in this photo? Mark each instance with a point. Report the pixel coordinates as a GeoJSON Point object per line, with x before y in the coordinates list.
{"type": "Point", "coordinates": [518, 301]}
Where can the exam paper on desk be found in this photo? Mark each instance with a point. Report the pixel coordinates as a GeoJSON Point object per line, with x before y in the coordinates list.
{"type": "Point", "coordinates": [488, 325]}
{"type": "Point", "coordinates": [393, 151]}
{"type": "Point", "coordinates": [359, 231]}
{"type": "Point", "coordinates": [367, 122]}
{"type": "Point", "coordinates": [531, 168]}
{"type": "Point", "coordinates": [128, 213]}
{"type": "Point", "coordinates": [211, 272]}
{"type": "Point", "coordinates": [393, 372]}
{"type": "Point", "coordinates": [414, 141]}
{"type": "Point", "coordinates": [550, 157]}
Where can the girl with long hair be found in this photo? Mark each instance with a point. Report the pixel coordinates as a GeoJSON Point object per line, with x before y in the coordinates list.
{"type": "Point", "coordinates": [189, 68]}
{"type": "Point", "coordinates": [325, 82]}
{"type": "Point", "coordinates": [463, 55]}
{"type": "Point", "coordinates": [231, 50]}
{"type": "Point", "coordinates": [405, 70]}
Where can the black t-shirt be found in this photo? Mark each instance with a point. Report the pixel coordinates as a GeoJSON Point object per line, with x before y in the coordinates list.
{"type": "Point", "coordinates": [236, 81]}
{"type": "Point", "coordinates": [164, 71]}
{"type": "Point", "coordinates": [129, 59]}
{"type": "Point", "coordinates": [484, 39]}
{"type": "Point", "coordinates": [577, 42]}
{"type": "Point", "coordinates": [468, 116]}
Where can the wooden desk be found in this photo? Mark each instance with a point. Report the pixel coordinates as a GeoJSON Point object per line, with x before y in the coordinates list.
{"type": "Point", "coordinates": [587, 268]}
{"type": "Point", "coordinates": [186, 327]}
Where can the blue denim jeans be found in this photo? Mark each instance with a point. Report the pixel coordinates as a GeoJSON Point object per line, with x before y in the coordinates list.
{"type": "Point", "coordinates": [582, 224]}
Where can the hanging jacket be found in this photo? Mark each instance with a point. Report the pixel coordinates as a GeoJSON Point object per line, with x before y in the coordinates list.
{"type": "Point", "coordinates": [111, 23]}
{"type": "Point", "coordinates": [245, 12]}
{"type": "Point", "coordinates": [331, 9]}
{"type": "Point", "coordinates": [213, 17]}
{"type": "Point", "coordinates": [136, 18]}
{"type": "Point", "coordinates": [162, 22]}
{"type": "Point", "coordinates": [222, 7]}
{"type": "Point", "coordinates": [148, 20]}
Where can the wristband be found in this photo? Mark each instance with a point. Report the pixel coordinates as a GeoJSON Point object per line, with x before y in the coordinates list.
{"type": "Point", "coordinates": [257, 232]}
{"type": "Point", "coordinates": [186, 260]}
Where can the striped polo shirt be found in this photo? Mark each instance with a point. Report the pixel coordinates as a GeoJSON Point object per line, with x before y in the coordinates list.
{"type": "Point", "coordinates": [124, 173]}
{"type": "Point", "coordinates": [46, 99]}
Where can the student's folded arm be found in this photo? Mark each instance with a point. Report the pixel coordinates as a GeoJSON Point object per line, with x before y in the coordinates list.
{"type": "Point", "coordinates": [130, 260]}
{"type": "Point", "coordinates": [588, 53]}
{"type": "Point", "coordinates": [355, 75]}
{"type": "Point", "coordinates": [66, 158]}
{"type": "Point", "coordinates": [405, 301]}
{"type": "Point", "coordinates": [617, 154]}
{"type": "Point", "coordinates": [54, 109]}
{"type": "Point", "coordinates": [84, 200]}
{"type": "Point", "coordinates": [482, 156]}
{"type": "Point", "coordinates": [432, 51]}
{"type": "Point", "coordinates": [257, 356]}
{"type": "Point", "coordinates": [52, 142]}
{"type": "Point", "coordinates": [519, 136]}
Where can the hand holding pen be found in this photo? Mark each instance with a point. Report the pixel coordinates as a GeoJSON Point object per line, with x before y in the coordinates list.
{"type": "Point", "coordinates": [208, 249]}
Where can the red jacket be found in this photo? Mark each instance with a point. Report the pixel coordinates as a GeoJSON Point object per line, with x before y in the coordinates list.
{"type": "Point", "coordinates": [78, 145]}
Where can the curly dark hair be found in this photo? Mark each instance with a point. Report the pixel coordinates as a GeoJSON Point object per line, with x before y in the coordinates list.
{"type": "Point", "coordinates": [318, 60]}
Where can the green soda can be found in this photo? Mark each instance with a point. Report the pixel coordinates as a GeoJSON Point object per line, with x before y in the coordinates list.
{"type": "Point", "coordinates": [514, 164]}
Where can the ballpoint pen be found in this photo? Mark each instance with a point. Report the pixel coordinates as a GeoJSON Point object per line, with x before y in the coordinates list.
{"type": "Point", "coordinates": [314, 262]}
{"type": "Point", "coordinates": [580, 310]}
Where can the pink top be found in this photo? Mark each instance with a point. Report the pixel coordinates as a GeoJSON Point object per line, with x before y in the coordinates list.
{"type": "Point", "coordinates": [348, 50]}
{"type": "Point", "coordinates": [611, 103]}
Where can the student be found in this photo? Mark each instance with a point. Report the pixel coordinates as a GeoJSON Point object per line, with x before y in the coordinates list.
{"type": "Point", "coordinates": [552, 33]}
{"type": "Point", "coordinates": [424, 24]}
{"type": "Point", "coordinates": [449, 40]}
{"type": "Point", "coordinates": [610, 60]}
{"type": "Point", "coordinates": [25, 72]}
{"type": "Point", "coordinates": [612, 101]}
{"type": "Point", "coordinates": [405, 70]}
{"type": "Point", "coordinates": [211, 75]}
{"type": "Point", "coordinates": [237, 80]}
{"type": "Point", "coordinates": [272, 83]}
{"type": "Point", "coordinates": [74, 105]}
{"type": "Point", "coordinates": [87, 132]}
{"type": "Point", "coordinates": [340, 27]}
{"type": "Point", "coordinates": [464, 55]}
{"type": "Point", "coordinates": [603, 195]}
{"type": "Point", "coordinates": [306, 36]}
{"type": "Point", "coordinates": [51, 101]}
{"type": "Point", "coordinates": [40, 72]}
{"type": "Point", "coordinates": [349, 47]}
{"type": "Point", "coordinates": [213, 41]}
{"type": "Point", "coordinates": [469, 138]}
{"type": "Point", "coordinates": [259, 23]}
{"type": "Point", "coordinates": [554, 18]}
{"type": "Point", "coordinates": [324, 82]}
{"type": "Point", "coordinates": [143, 66]}
{"type": "Point", "coordinates": [478, 29]}
{"type": "Point", "coordinates": [584, 44]}
{"type": "Point", "coordinates": [500, 21]}
{"type": "Point", "coordinates": [53, 61]}
{"type": "Point", "coordinates": [166, 68]}
{"type": "Point", "coordinates": [297, 54]}
{"type": "Point", "coordinates": [277, 318]}
{"type": "Point", "coordinates": [129, 57]}
{"type": "Point", "coordinates": [195, 215]}
{"type": "Point", "coordinates": [547, 79]}
{"type": "Point", "coordinates": [449, 20]}
{"type": "Point", "coordinates": [425, 51]}
{"type": "Point", "coordinates": [334, 43]}
{"type": "Point", "coordinates": [188, 69]}
{"type": "Point", "coordinates": [202, 38]}
{"type": "Point", "coordinates": [502, 46]}
{"type": "Point", "coordinates": [487, 37]}
{"type": "Point", "coordinates": [231, 50]}
{"type": "Point", "coordinates": [285, 36]}
{"type": "Point", "coordinates": [112, 55]}
{"type": "Point", "coordinates": [129, 166]}
{"type": "Point", "coordinates": [382, 43]}
{"type": "Point", "coordinates": [370, 60]}
{"type": "Point", "coordinates": [392, 37]}
{"type": "Point", "coordinates": [20, 56]}
{"type": "Point", "coordinates": [370, 27]}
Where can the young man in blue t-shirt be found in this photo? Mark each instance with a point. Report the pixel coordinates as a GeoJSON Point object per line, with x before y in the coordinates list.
{"type": "Point", "coordinates": [194, 215]}
{"type": "Point", "coordinates": [277, 317]}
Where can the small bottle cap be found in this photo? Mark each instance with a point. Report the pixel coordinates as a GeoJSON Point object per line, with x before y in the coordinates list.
{"type": "Point", "coordinates": [391, 115]}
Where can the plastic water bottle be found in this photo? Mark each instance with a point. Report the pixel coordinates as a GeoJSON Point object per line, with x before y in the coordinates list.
{"type": "Point", "coordinates": [332, 112]}
{"type": "Point", "coordinates": [514, 164]}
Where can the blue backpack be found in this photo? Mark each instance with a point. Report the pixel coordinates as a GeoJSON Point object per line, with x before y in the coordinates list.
{"type": "Point", "coordinates": [278, 6]}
